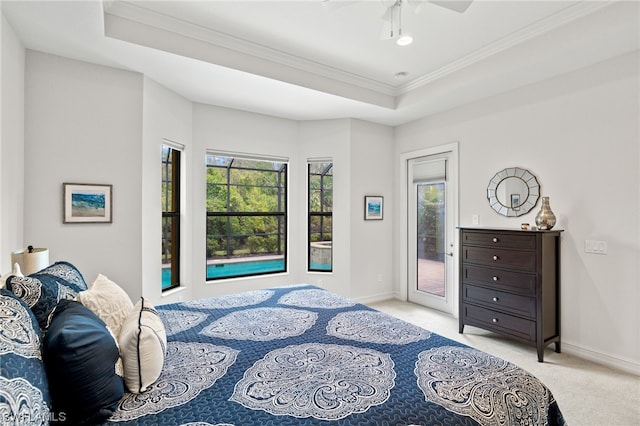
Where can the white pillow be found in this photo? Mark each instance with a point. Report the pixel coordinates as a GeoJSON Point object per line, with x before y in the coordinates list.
{"type": "Point", "coordinates": [143, 343]}
{"type": "Point", "coordinates": [108, 301]}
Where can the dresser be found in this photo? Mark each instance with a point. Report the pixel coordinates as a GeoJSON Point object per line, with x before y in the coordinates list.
{"type": "Point", "coordinates": [510, 284]}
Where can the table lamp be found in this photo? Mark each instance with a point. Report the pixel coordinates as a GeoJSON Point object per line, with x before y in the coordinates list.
{"type": "Point", "coordinates": [31, 259]}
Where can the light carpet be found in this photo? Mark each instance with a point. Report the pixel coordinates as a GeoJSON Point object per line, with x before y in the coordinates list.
{"type": "Point", "coordinates": [588, 394]}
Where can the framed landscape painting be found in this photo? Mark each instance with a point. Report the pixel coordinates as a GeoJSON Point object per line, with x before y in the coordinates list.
{"type": "Point", "coordinates": [373, 207]}
{"type": "Point", "coordinates": [87, 203]}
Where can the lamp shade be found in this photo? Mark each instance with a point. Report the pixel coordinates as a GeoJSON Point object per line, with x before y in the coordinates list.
{"type": "Point", "coordinates": [31, 259]}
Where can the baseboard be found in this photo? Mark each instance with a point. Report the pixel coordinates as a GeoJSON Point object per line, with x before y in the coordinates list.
{"type": "Point", "coordinates": [611, 361]}
{"type": "Point", "coordinates": [374, 298]}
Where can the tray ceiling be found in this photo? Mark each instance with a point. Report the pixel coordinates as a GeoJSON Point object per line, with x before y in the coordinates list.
{"type": "Point", "coordinates": [318, 59]}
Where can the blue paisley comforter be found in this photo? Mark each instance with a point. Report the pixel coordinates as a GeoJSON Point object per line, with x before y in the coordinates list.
{"type": "Point", "coordinates": [304, 356]}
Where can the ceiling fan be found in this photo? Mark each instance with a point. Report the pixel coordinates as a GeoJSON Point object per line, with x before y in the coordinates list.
{"type": "Point", "coordinates": [392, 16]}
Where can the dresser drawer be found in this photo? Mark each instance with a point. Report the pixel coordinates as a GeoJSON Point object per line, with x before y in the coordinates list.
{"type": "Point", "coordinates": [498, 278]}
{"type": "Point", "coordinates": [499, 321]}
{"type": "Point", "coordinates": [522, 241]}
{"type": "Point", "coordinates": [500, 258]}
{"type": "Point", "coordinates": [501, 301]}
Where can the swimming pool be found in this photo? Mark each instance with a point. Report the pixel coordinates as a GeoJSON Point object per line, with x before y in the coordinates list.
{"type": "Point", "coordinates": [223, 270]}
{"type": "Point", "coordinates": [233, 269]}
{"type": "Point", "coordinates": [320, 266]}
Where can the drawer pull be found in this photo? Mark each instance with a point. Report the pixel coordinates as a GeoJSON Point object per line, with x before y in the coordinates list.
{"type": "Point", "coordinates": [494, 320]}
{"type": "Point", "coordinates": [495, 299]}
{"type": "Point", "coordinates": [495, 257]}
{"type": "Point", "coordinates": [495, 239]}
{"type": "Point", "coordinates": [495, 278]}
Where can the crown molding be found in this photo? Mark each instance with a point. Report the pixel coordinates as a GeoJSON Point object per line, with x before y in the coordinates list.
{"type": "Point", "coordinates": [536, 29]}
{"type": "Point", "coordinates": [126, 10]}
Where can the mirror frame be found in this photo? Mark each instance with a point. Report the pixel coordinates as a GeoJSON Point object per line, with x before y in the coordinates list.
{"type": "Point", "coordinates": [529, 202]}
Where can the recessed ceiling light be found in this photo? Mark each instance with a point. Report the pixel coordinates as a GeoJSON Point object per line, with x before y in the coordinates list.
{"type": "Point", "coordinates": [404, 40]}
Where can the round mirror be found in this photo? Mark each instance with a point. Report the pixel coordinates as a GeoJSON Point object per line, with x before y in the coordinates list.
{"type": "Point", "coordinates": [513, 192]}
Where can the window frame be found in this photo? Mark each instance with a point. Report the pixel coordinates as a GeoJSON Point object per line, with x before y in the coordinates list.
{"type": "Point", "coordinates": [322, 214]}
{"type": "Point", "coordinates": [173, 179]}
{"type": "Point", "coordinates": [281, 213]}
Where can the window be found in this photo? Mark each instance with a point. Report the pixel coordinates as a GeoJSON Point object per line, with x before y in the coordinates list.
{"type": "Point", "coordinates": [170, 217]}
{"type": "Point", "coordinates": [320, 197]}
{"type": "Point", "coordinates": [246, 216]}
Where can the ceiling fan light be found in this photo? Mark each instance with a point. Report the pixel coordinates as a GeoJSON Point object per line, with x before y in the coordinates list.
{"type": "Point", "coordinates": [404, 40]}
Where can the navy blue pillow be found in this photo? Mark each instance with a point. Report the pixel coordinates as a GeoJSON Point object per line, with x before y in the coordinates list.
{"type": "Point", "coordinates": [24, 392]}
{"type": "Point", "coordinates": [80, 356]}
{"type": "Point", "coordinates": [43, 290]}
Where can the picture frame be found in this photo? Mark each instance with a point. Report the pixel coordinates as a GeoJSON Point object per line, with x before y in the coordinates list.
{"type": "Point", "coordinates": [515, 201]}
{"type": "Point", "coordinates": [87, 203]}
{"type": "Point", "coordinates": [373, 207]}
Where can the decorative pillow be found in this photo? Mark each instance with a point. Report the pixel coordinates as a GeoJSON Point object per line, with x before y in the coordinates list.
{"type": "Point", "coordinates": [143, 343]}
{"type": "Point", "coordinates": [107, 300]}
{"type": "Point", "coordinates": [24, 390]}
{"type": "Point", "coordinates": [80, 356]}
{"type": "Point", "coordinates": [44, 289]}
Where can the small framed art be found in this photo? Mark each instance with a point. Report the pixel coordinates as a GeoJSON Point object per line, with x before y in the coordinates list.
{"type": "Point", "coordinates": [373, 207]}
{"type": "Point", "coordinates": [515, 201]}
{"type": "Point", "coordinates": [87, 203]}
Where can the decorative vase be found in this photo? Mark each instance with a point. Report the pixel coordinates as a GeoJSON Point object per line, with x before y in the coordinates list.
{"type": "Point", "coordinates": [545, 219]}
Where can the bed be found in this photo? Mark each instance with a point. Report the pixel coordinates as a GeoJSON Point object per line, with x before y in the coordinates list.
{"type": "Point", "coordinates": [301, 355]}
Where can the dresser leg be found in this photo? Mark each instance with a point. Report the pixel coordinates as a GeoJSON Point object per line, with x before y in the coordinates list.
{"type": "Point", "coordinates": [558, 346]}
{"type": "Point", "coordinates": [540, 354]}
{"type": "Point", "coordinates": [460, 328]}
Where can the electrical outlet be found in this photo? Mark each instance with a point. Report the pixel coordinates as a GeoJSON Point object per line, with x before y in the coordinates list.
{"type": "Point", "coordinates": [475, 219]}
{"type": "Point", "coordinates": [379, 278]}
{"type": "Point", "coordinates": [320, 283]}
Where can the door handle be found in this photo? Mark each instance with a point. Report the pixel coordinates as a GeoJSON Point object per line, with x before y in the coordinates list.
{"type": "Point", "coordinates": [451, 252]}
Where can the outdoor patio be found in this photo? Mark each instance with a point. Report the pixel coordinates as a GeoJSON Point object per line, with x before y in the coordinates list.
{"type": "Point", "coordinates": [431, 276]}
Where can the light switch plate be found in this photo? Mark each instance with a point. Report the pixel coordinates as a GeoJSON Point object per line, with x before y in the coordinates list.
{"type": "Point", "coordinates": [597, 247]}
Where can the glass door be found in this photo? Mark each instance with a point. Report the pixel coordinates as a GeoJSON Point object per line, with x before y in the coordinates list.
{"type": "Point", "coordinates": [430, 238]}
{"type": "Point", "coordinates": [431, 232]}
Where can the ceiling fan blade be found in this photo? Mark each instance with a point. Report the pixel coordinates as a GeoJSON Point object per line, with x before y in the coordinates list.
{"type": "Point", "coordinates": [455, 5]}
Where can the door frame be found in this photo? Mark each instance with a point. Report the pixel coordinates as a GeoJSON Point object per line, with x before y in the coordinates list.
{"type": "Point", "coordinates": [404, 222]}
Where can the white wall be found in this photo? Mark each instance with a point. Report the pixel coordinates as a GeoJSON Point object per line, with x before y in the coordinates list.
{"type": "Point", "coordinates": [165, 116]}
{"type": "Point", "coordinates": [84, 125]}
{"type": "Point", "coordinates": [372, 245]}
{"type": "Point", "coordinates": [579, 135]}
{"type": "Point", "coordinates": [12, 68]}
